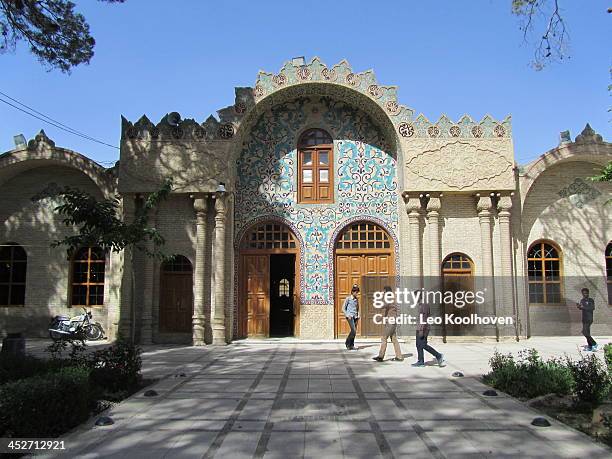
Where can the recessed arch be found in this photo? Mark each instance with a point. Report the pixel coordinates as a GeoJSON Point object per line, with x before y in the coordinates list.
{"type": "Point", "coordinates": [269, 257]}
{"type": "Point", "coordinates": [363, 251]}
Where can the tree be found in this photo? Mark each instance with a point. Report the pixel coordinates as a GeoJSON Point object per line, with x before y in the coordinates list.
{"type": "Point", "coordinates": [605, 175]}
{"type": "Point", "coordinates": [545, 15]}
{"type": "Point", "coordinates": [56, 34]}
{"type": "Point", "coordinates": [99, 224]}
{"type": "Point", "coordinates": [544, 19]}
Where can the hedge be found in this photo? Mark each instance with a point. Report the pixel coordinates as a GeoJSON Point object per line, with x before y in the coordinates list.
{"type": "Point", "coordinates": [46, 405]}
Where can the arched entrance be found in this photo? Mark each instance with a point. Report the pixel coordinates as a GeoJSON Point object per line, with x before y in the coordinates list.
{"type": "Point", "coordinates": [176, 296]}
{"type": "Point", "coordinates": [269, 281]}
{"type": "Point", "coordinates": [364, 253]}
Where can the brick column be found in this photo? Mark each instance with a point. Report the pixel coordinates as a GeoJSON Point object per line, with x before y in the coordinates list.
{"type": "Point", "coordinates": [146, 331]}
{"type": "Point", "coordinates": [200, 206]}
{"type": "Point", "coordinates": [413, 207]}
{"type": "Point", "coordinates": [504, 206]}
{"type": "Point", "coordinates": [218, 320]}
{"type": "Point", "coordinates": [433, 219]}
{"type": "Point", "coordinates": [127, 286]}
{"type": "Point", "coordinates": [484, 206]}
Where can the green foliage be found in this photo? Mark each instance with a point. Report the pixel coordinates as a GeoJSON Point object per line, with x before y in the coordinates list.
{"type": "Point", "coordinates": [45, 405]}
{"type": "Point", "coordinates": [117, 368]}
{"type": "Point", "coordinates": [605, 175]}
{"type": "Point", "coordinates": [57, 35]}
{"type": "Point", "coordinates": [592, 380]}
{"type": "Point", "coordinates": [608, 356]}
{"type": "Point", "coordinates": [13, 367]}
{"type": "Point", "coordinates": [529, 376]}
{"type": "Point", "coordinates": [99, 222]}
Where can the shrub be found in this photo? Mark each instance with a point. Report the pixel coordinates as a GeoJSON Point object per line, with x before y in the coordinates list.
{"type": "Point", "coordinates": [117, 368]}
{"type": "Point", "coordinates": [529, 376]}
{"type": "Point", "coordinates": [45, 405]}
{"type": "Point", "coordinates": [592, 379]}
{"type": "Point", "coordinates": [13, 367]}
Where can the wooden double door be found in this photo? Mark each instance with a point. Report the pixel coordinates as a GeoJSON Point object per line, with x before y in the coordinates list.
{"type": "Point", "coordinates": [364, 256]}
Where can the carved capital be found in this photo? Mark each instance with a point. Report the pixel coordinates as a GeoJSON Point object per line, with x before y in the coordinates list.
{"type": "Point", "coordinates": [434, 205]}
{"type": "Point", "coordinates": [220, 206]}
{"type": "Point", "coordinates": [200, 205]}
{"type": "Point", "coordinates": [504, 205]}
{"type": "Point", "coordinates": [413, 203]}
{"type": "Point", "coordinates": [484, 205]}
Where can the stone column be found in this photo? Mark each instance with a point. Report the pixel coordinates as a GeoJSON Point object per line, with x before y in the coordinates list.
{"type": "Point", "coordinates": [218, 320]}
{"type": "Point", "coordinates": [484, 206]}
{"type": "Point", "coordinates": [146, 331]}
{"type": "Point", "coordinates": [200, 205]}
{"type": "Point", "coordinates": [127, 286]}
{"type": "Point", "coordinates": [503, 213]}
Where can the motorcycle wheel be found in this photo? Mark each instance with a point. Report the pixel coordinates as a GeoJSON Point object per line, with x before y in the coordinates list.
{"type": "Point", "coordinates": [55, 336]}
{"type": "Point", "coordinates": [93, 332]}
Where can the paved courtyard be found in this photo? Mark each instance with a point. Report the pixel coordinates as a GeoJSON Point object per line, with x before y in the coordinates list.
{"type": "Point", "coordinates": [289, 399]}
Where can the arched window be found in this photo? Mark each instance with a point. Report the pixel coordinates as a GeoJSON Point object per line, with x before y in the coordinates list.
{"type": "Point", "coordinates": [315, 167]}
{"type": "Point", "coordinates": [269, 236]}
{"type": "Point", "coordinates": [609, 271]}
{"type": "Point", "coordinates": [13, 265]}
{"type": "Point", "coordinates": [88, 266]}
{"type": "Point", "coordinates": [544, 273]}
{"type": "Point", "coordinates": [283, 287]}
{"type": "Point", "coordinates": [364, 235]}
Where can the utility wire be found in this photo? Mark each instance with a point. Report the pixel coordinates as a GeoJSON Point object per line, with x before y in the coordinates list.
{"type": "Point", "coordinates": [46, 119]}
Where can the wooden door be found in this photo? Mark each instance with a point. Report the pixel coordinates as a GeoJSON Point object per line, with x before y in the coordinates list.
{"type": "Point", "coordinates": [176, 297]}
{"type": "Point", "coordinates": [364, 253]}
{"type": "Point", "coordinates": [348, 272]}
{"type": "Point", "coordinates": [257, 275]}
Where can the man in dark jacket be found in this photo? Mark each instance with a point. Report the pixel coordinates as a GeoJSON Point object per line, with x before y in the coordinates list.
{"type": "Point", "coordinates": [587, 305]}
{"type": "Point", "coordinates": [421, 339]}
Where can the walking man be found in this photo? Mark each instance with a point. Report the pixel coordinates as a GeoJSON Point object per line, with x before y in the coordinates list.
{"type": "Point", "coordinates": [389, 311]}
{"type": "Point", "coordinates": [350, 308]}
{"type": "Point", "coordinates": [421, 339]}
{"type": "Point", "coordinates": [587, 305]}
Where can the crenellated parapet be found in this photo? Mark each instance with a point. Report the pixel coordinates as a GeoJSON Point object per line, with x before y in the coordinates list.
{"type": "Point", "coordinates": [297, 73]}
{"type": "Point", "coordinates": [464, 128]}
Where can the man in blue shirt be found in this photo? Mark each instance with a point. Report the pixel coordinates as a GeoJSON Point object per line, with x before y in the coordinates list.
{"type": "Point", "coordinates": [350, 309]}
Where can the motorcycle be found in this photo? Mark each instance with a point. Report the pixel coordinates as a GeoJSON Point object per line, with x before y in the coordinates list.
{"type": "Point", "coordinates": [78, 327]}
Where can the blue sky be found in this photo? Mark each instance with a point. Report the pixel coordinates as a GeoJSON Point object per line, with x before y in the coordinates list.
{"type": "Point", "coordinates": [452, 57]}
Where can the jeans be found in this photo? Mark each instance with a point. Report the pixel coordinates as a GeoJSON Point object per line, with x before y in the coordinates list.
{"type": "Point", "coordinates": [350, 339]}
{"type": "Point", "coordinates": [390, 332]}
{"type": "Point", "coordinates": [586, 331]}
{"type": "Point", "coordinates": [421, 345]}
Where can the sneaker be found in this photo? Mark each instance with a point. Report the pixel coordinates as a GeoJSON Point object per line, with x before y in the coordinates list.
{"type": "Point", "coordinates": [397, 359]}
{"type": "Point", "coordinates": [441, 361]}
{"type": "Point", "coordinates": [354, 348]}
{"type": "Point", "coordinates": [378, 359]}
{"type": "Point", "coordinates": [594, 347]}
{"type": "Point", "coordinates": [418, 364]}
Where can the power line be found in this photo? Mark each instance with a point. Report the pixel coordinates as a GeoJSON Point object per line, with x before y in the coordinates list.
{"type": "Point", "coordinates": [47, 119]}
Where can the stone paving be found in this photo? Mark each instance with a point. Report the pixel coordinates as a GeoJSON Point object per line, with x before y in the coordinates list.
{"type": "Point", "coordinates": [294, 399]}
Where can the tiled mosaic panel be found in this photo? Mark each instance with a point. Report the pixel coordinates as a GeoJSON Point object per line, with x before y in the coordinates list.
{"type": "Point", "coordinates": [365, 182]}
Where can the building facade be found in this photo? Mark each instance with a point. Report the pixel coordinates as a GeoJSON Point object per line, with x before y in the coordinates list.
{"type": "Point", "coordinates": [314, 179]}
